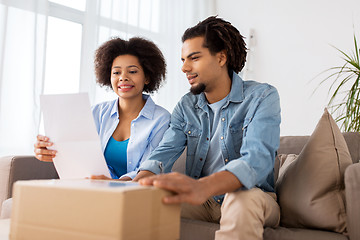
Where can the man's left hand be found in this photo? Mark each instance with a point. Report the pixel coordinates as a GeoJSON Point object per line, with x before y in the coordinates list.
{"type": "Point", "coordinates": [186, 189]}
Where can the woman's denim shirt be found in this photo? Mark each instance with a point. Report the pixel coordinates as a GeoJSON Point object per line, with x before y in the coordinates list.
{"type": "Point", "coordinates": [250, 122]}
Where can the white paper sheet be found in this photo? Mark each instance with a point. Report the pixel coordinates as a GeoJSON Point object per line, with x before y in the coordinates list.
{"type": "Point", "coordinates": [69, 124]}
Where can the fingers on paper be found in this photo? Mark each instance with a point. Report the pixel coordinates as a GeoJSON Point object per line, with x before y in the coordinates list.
{"type": "Point", "coordinates": [44, 158]}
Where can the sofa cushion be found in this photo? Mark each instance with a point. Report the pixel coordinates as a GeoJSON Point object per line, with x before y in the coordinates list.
{"type": "Point", "coordinates": [352, 192]}
{"type": "Point", "coordinates": [281, 164]}
{"type": "Point", "coordinates": [285, 160]}
{"type": "Point", "coordinates": [282, 233]}
{"type": "Point", "coordinates": [311, 190]}
{"type": "Point", "coordinates": [6, 209]}
{"type": "Point", "coordinates": [191, 229]}
{"type": "Point", "coordinates": [4, 229]}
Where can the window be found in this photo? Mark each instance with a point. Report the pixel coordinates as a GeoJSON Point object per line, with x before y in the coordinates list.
{"type": "Point", "coordinates": [63, 50]}
{"type": "Point", "coordinates": [73, 35]}
{"type": "Point", "coordinates": [76, 4]}
{"type": "Point", "coordinates": [47, 46]}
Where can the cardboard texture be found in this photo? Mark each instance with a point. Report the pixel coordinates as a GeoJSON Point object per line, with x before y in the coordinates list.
{"type": "Point", "coordinates": [91, 209]}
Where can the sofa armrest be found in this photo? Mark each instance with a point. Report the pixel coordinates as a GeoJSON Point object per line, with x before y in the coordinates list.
{"type": "Point", "coordinates": [14, 168]}
{"type": "Point", "coordinates": [5, 163]}
{"type": "Point", "coordinates": [352, 192]}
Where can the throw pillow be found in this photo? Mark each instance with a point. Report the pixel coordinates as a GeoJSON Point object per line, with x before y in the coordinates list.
{"type": "Point", "coordinates": [285, 160]}
{"type": "Point", "coordinates": [311, 191]}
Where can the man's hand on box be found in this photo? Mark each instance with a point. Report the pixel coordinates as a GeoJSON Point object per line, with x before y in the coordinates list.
{"type": "Point", "coordinates": [186, 189]}
{"type": "Point", "coordinates": [194, 191]}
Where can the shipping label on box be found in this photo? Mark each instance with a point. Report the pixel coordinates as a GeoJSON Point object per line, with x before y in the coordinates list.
{"type": "Point", "coordinates": [91, 209]}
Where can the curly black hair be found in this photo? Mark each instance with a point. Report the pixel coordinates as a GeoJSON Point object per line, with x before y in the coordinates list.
{"type": "Point", "coordinates": [220, 35]}
{"type": "Point", "coordinates": [150, 58]}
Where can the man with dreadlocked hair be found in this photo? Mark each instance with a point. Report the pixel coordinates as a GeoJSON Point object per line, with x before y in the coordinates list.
{"type": "Point", "coordinates": [231, 130]}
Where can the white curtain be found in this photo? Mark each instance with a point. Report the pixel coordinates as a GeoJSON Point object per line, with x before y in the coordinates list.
{"type": "Point", "coordinates": [176, 17]}
{"type": "Point", "coordinates": [173, 18]}
{"type": "Point", "coordinates": [23, 53]}
{"type": "Point", "coordinates": [22, 49]}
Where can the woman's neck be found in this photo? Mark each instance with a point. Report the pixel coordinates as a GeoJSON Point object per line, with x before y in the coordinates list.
{"type": "Point", "coordinates": [130, 107]}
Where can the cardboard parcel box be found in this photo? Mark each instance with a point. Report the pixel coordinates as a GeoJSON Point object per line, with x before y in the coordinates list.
{"type": "Point", "coordinates": [91, 209]}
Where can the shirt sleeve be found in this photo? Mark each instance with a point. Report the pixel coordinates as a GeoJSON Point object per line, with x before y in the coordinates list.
{"type": "Point", "coordinates": [261, 138]}
{"type": "Point", "coordinates": [96, 113]}
{"type": "Point", "coordinates": [170, 147]}
{"type": "Point", "coordinates": [131, 174]}
{"type": "Point", "coordinates": [153, 142]}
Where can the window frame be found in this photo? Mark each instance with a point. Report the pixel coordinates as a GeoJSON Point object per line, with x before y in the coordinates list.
{"type": "Point", "coordinates": [89, 35]}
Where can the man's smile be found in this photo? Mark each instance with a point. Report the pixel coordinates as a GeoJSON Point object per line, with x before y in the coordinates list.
{"type": "Point", "coordinates": [191, 77]}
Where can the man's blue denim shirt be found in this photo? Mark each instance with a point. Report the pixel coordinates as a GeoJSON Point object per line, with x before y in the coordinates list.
{"type": "Point", "coordinates": [250, 135]}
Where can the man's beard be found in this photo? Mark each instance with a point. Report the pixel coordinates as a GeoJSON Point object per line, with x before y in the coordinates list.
{"type": "Point", "coordinates": [197, 89]}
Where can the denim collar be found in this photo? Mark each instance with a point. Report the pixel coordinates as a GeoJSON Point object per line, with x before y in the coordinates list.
{"type": "Point", "coordinates": [147, 111]}
{"type": "Point", "coordinates": [236, 93]}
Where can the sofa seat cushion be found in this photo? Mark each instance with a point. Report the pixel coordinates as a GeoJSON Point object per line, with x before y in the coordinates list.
{"type": "Point", "coordinates": [282, 233]}
{"type": "Point", "coordinates": [194, 229]}
{"type": "Point", "coordinates": [311, 190]}
{"type": "Point", "coordinates": [4, 229]}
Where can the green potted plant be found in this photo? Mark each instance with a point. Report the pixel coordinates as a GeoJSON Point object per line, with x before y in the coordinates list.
{"type": "Point", "coordinates": [344, 101]}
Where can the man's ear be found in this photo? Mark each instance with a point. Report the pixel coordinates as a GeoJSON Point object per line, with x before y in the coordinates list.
{"type": "Point", "coordinates": [222, 57]}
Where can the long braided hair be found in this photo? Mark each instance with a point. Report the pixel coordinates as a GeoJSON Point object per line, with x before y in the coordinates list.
{"type": "Point", "coordinates": [220, 35]}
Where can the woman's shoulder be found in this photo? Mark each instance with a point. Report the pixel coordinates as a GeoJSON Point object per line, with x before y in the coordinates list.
{"type": "Point", "coordinates": [161, 114]}
{"type": "Point", "coordinates": [158, 111]}
{"type": "Point", "coordinates": [102, 107]}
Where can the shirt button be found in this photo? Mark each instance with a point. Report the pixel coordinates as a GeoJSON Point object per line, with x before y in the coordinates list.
{"type": "Point", "coordinates": [223, 119]}
{"type": "Point", "coordinates": [200, 159]}
{"type": "Point", "coordinates": [218, 200]}
{"type": "Point", "coordinates": [222, 138]}
{"type": "Point", "coordinates": [226, 160]}
{"type": "Point", "coordinates": [207, 139]}
{"type": "Point", "coordinates": [130, 162]}
{"type": "Point", "coordinates": [189, 132]}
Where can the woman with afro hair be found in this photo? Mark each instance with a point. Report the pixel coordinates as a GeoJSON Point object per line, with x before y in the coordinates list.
{"type": "Point", "coordinates": [131, 126]}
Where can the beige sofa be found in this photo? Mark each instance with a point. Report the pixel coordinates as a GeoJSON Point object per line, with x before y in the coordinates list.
{"type": "Point", "coordinates": [27, 167]}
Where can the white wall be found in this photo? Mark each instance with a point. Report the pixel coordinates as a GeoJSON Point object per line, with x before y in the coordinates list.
{"type": "Point", "coordinates": [293, 45]}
